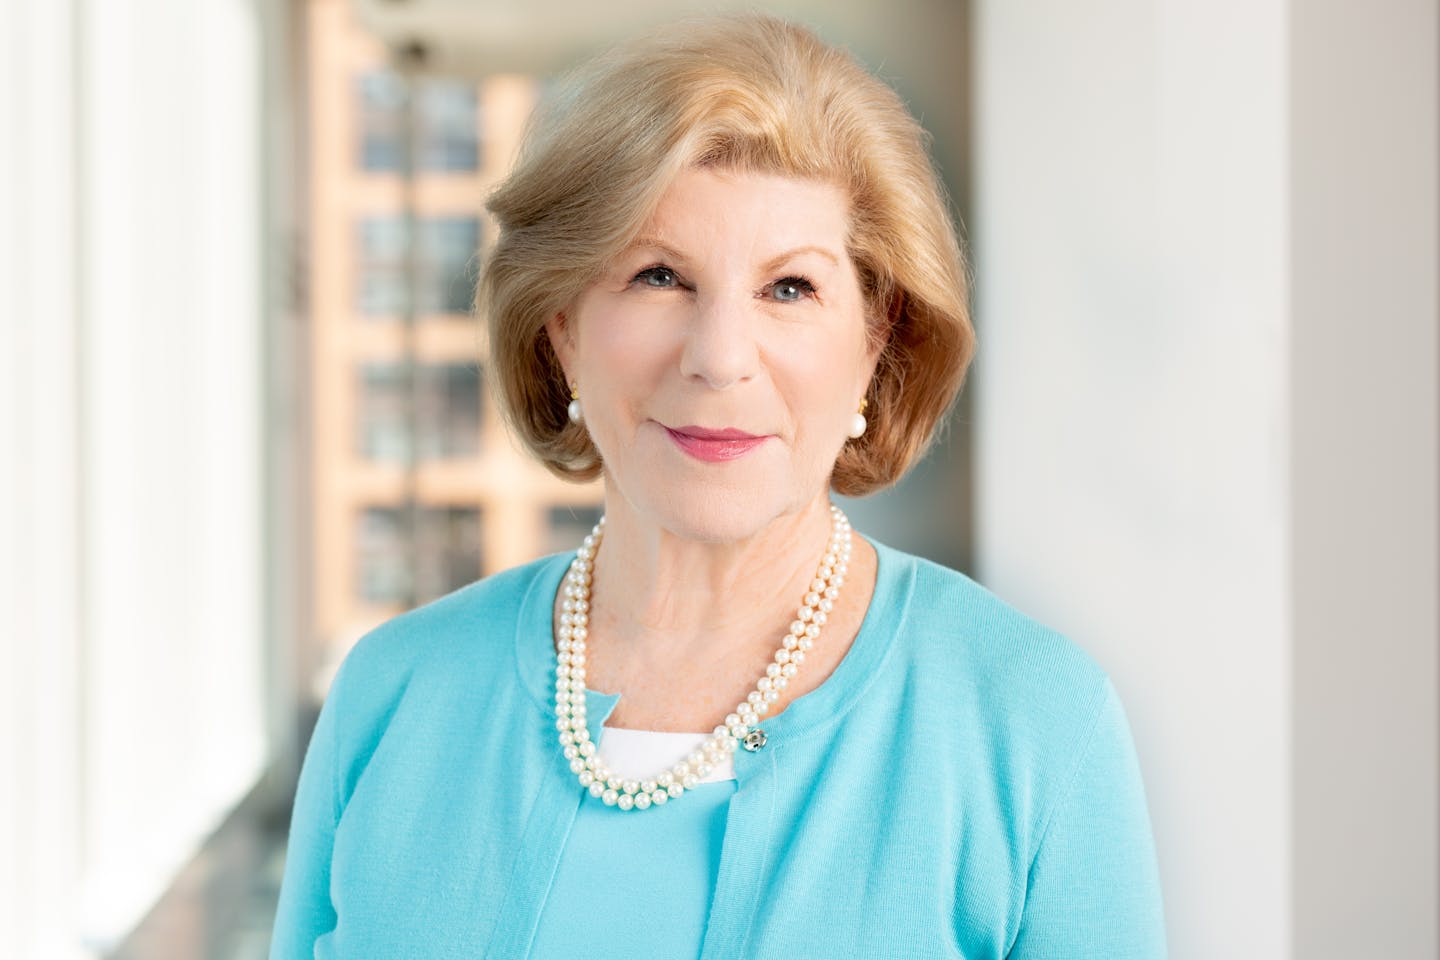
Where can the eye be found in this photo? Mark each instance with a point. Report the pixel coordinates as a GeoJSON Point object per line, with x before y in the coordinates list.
{"type": "Point", "coordinates": [791, 289]}
{"type": "Point", "coordinates": [657, 276]}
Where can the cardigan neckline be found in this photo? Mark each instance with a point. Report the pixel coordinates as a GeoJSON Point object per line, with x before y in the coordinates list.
{"type": "Point", "coordinates": [804, 716]}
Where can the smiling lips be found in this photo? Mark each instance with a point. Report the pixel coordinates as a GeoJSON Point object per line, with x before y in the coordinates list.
{"type": "Point", "coordinates": [714, 446]}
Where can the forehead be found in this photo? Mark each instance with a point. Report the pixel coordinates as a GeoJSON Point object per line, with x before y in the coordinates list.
{"type": "Point", "coordinates": [704, 204]}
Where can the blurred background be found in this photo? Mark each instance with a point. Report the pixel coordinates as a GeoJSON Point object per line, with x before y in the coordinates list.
{"type": "Point", "coordinates": [244, 418]}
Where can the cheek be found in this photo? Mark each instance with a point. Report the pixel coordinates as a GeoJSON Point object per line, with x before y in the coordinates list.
{"type": "Point", "coordinates": [815, 377]}
{"type": "Point", "coordinates": [623, 358]}
{"type": "Point", "coordinates": [625, 337]}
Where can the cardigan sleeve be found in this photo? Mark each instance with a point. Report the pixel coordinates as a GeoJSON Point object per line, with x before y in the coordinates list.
{"type": "Point", "coordinates": [1093, 890]}
{"type": "Point", "coordinates": [305, 911]}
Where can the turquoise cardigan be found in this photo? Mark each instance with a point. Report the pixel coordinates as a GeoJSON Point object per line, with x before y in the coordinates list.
{"type": "Point", "coordinates": [964, 784]}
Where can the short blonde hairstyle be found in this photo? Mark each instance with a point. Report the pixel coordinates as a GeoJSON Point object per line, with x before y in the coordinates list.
{"type": "Point", "coordinates": [747, 93]}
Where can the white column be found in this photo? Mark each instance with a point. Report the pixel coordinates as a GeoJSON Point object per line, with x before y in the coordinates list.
{"type": "Point", "coordinates": [1365, 418]}
{"type": "Point", "coordinates": [40, 592]}
{"type": "Point", "coordinates": [131, 647]}
{"type": "Point", "coordinates": [171, 412]}
{"type": "Point", "coordinates": [1206, 254]}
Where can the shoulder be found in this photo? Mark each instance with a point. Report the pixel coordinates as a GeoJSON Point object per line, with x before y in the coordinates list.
{"type": "Point", "coordinates": [468, 633]}
{"type": "Point", "coordinates": [1034, 688]}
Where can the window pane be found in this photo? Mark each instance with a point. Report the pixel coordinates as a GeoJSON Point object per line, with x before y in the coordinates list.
{"type": "Point", "coordinates": [447, 114]}
{"type": "Point", "coordinates": [449, 264]}
{"type": "Point", "coordinates": [380, 266]}
{"type": "Point", "coordinates": [446, 553]}
{"type": "Point", "coordinates": [447, 128]}
{"type": "Point", "coordinates": [449, 550]}
{"type": "Point", "coordinates": [569, 525]}
{"type": "Point", "coordinates": [380, 415]}
{"type": "Point", "coordinates": [446, 264]}
{"type": "Point", "coordinates": [383, 567]}
{"type": "Point", "coordinates": [448, 411]}
{"type": "Point", "coordinates": [382, 122]}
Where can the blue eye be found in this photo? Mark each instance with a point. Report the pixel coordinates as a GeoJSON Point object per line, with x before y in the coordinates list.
{"type": "Point", "coordinates": [792, 289]}
{"type": "Point", "coordinates": [662, 277]}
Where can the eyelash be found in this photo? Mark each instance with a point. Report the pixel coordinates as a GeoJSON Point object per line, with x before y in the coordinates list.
{"type": "Point", "coordinates": [803, 283]}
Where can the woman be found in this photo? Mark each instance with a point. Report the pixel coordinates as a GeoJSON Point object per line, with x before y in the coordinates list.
{"type": "Point", "coordinates": [726, 725]}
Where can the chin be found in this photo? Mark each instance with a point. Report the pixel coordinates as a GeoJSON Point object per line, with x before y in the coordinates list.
{"type": "Point", "coordinates": [711, 513]}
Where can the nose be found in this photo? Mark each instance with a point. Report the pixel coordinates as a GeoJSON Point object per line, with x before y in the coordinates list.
{"type": "Point", "coordinates": [720, 346]}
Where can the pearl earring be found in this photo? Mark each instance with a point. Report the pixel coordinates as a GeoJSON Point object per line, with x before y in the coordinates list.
{"type": "Point", "coordinates": [574, 408]}
{"type": "Point", "coordinates": [857, 422]}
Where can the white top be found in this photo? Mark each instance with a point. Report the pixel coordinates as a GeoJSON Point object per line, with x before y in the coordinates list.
{"type": "Point", "coordinates": [641, 754]}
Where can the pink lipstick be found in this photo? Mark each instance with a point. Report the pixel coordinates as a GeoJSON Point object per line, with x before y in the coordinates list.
{"type": "Point", "coordinates": [714, 446]}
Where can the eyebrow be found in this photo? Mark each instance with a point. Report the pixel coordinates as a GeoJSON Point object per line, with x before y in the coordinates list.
{"type": "Point", "coordinates": [769, 265]}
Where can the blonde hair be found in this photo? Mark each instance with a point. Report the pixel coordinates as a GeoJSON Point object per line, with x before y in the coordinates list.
{"type": "Point", "coordinates": [750, 93]}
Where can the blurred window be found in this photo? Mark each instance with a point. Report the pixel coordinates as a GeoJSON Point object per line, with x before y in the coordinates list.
{"type": "Point", "coordinates": [568, 526]}
{"type": "Point", "coordinates": [445, 547]}
{"type": "Point", "coordinates": [446, 263]}
{"type": "Point", "coordinates": [447, 124]}
{"type": "Point", "coordinates": [447, 411]}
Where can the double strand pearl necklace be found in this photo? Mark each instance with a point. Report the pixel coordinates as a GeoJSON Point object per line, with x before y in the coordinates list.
{"type": "Point", "coordinates": [739, 726]}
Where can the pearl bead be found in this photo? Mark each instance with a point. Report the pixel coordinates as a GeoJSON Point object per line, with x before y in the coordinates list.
{"type": "Point", "coordinates": [642, 801]}
{"type": "Point", "coordinates": [610, 797]}
{"type": "Point", "coordinates": [625, 801]}
{"type": "Point", "coordinates": [659, 796]}
{"type": "Point", "coordinates": [597, 789]}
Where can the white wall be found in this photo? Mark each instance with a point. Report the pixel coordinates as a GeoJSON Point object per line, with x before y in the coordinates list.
{"type": "Point", "coordinates": [1164, 338]}
{"type": "Point", "coordinates": [130, 501]}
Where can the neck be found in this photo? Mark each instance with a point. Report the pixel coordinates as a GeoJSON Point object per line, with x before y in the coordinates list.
{"type": "Point", "coordinates": [663, 596]}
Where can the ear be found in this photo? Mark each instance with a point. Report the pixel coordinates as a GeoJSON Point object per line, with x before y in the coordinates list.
{"type": "Point", "coordinates": [562, 340]}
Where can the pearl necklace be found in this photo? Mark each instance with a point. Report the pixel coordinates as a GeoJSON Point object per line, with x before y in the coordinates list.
{"type": "Point", "coordinates": [741, 725]}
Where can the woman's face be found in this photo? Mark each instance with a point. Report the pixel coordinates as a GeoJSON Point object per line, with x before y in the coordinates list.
{"type": "Point", "coordinates": [737, 311]}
